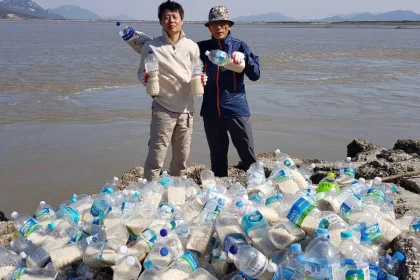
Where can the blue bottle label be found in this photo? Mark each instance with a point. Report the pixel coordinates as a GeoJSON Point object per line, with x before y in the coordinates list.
{"type": "Point", "coordinates": [281, 175]}
{"type": "Point", "coordinates": [351, 203]}
{"type": "Point", "coordinates": [190, 260]}
{"type": "Point", "coordinates": [272, 199]}
{"type": "Point", "coordinates": [17, 273]}
{"type": "Point", "coordinates": [415, 225]}
{"type": "Point", "coordinates": [376, 193]}
{"type": "Point", "coordinates": [45, 212]}
{"type": "Point", "coordinates": [100, 208]}
{"type": "Point", "coordinates": [149, 237]}
{"type": "Point", "coordinates": [30, 226]}
{"type": "Point", "coordinates": [253, 220]}
{"type": "Point", "coordinates": [300, 209]}
{"type": "Point", "coordinates": [348, 171]}
{"type": "Point", "coordinates": [165, 181]}
{"type": "Point", "coordinates": [372, 231]}
{"type": "Point", "coordinates": [373, 271]}
{"type": "Point", "coordinates": [289, 162]}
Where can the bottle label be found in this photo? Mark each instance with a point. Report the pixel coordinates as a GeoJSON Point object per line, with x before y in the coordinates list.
{"type": "Point", "coordinates": [289, 162]}
{"type": "Point", "coordinates": [190, 260]}
{"type": "Point", "coordinates": [354, 274]}
{"type": "Point", "coordinates": [272, 199]}
{"type": "Point", "coordinates": [353, 270]}
{"type": "Point", "coordinates": [213, 208]}
{"type": "Point", "coordinates": [92, 239]}
{"type": "Point", "coordinates": [174, 224]}
{"type": "Point", "coordinates": [300, 209]}
{"type": "Point", "coordinates": [376, 193]}
{"type": "Point", "coordinates": [100, 208]}
{"type": "Point", "coordinates": [372, 231]}
{"type": "Point", "coordinates": [29, 227]}
{"type": "Point", "coordinates": [319, 271]}
{"type": "Point", "coordinates": [257, 178]}
{"type": "Point", "coordinates": [326, 187]}
{"type": "Point", "coordinates": [351, 203]}
{"type": "Point", "coordinates": [329, 220]}
{"type": "Point", "coordinates": [73, 213]}
{"type": "Point", "coordinates": [348, 171]}
{"type": "Point", "coordinates": [132, 237]}
{"type": "Point", "coordinates": [415, 225]}
{"type": "Point", "coordinates": [373, 271]}
{"type": "Point", "coordinates": [45, 212]}
{"type": "Point", "coordinates": [166, 208]}
{"type": "Point", "coordinates": [17, 273]}
{"type": "Point", "coordinates": [221, 58]}
{"type": "Point", "coordinates": [253, 220]}
{"type": "Point", "coordinates": [281, 175]}
{"type": "Point", "coordinates": [127, 208]}
{"type": "Point", "coordinates": [356, 186]}
{"type": "Point", "coordinates": [149, 237]}
{"type": "Point", "coordinates": [259, 266]}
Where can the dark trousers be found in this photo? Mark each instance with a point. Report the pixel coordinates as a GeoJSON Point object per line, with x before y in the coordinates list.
{"type": "Point", "coordinates": [217, 137]}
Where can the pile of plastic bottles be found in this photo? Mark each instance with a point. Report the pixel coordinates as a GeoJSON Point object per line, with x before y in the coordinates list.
{"type": "Point", "coordinates": [280, 227]}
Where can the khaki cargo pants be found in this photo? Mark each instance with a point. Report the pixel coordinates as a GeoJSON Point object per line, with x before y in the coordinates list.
{"type": "Point", "coordinates": [168, 127]}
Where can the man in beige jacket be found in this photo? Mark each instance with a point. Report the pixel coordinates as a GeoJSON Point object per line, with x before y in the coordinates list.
{"type": "Point", "coordinates": [173, 107]}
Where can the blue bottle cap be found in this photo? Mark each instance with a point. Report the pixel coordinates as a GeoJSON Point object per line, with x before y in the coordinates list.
{"type": "Point", "coordinates": [136, 194]}
{"type": "Point", "coordinates": [391, 277]}
{"type": "Point", "coordinates": [150, 52]}
{"type": "Point", "coordinates": [296, 247]}
{"type": "Point", "coordinates": [260, 194]}
{"type": "Point", "coordinates": [163, 232]}
{"type": "Point", "coordinates": [74, 195]}
{"type": "Point", "coordinates": [74, 199]}
{"type": "Point", "coordinates": [118, 23]}
{"type": "Point", "coordinates": [346, 235]}
{"type": "Point", "coordinates": [51, 226]}
{"type": "Point", "coordinates": [109, 190]}
{"type": "Point", "coordinates": [280, 196]}
{"type": "Point", "coordinates": [148, 265]}
{"type": "Point", "coordinates": [164, 251]}
{"type": "Point", "coordinates": [399, 256]}
{"type": "Point", "coordinates": [239, 203]}
{"type": "Point", "coordinates": [221, 201]}
{"type": "Point", "coordinates": [233, 249]}
{"type": "Point", "coordinates": [365, 239]}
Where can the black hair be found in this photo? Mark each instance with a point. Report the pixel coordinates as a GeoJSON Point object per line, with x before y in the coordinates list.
{"type": "Point", "coordinates": [171, 6]}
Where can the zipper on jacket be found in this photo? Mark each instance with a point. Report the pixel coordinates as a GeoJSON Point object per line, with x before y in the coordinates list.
{"type": "Point", "coordinates": [217, 86]}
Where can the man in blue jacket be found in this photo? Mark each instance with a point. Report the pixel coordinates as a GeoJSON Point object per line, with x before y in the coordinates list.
{"type": "Point", "coordinates": [225, 108]}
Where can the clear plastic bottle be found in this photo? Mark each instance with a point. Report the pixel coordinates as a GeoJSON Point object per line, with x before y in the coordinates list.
{"type": "Point", "coordinates": [256, 174]}
{"type": "Point", "coordinates": [149, 273]}
{"type": "Point", "coordinates": [219, 262]}
{"type": "Point", "coordinates": [390, 265]}
{"type": "Point", "coordinates": [327, 185]}
{"type": "Point", "coordinates": [283, 234]}
{"type": "Point", "coordinates": [354, 263]}
{"type": "Point", "coordinates": [307, 170]}
{"type": "Point", "coordinates": [249, 260]}
{"type": "Point", "coordinates": [127, 268]}
{"type": "Point", "coordinates": [282, 178]}
{"type": "Point", "coordinates": [160, 257]}
{"type": "Point", "coordinates": [182, 267]}
{"type": "Point", "coordinates": [44, 214]}
{"type": "Point", "coordinates": [112, 183]}
{"type": "Point", "coordinates": [366, 247]}
{"type": "Point", "coordinates": [102, 205]}
{"type": "Point", "coordinates": [322, 258]}
{"type": "Point", "coordinates": [151, 65]}
{"type": "Point", "coordinates": [197, 88]}
{"type": "Point", "coordinates": [221, 58]}
{"type": "Point", "coordinates": [27, 226]}
{"type": "Point", "coordinates": [347, 171]}
{"type": "Point", "coordinates": [294, 267]}
{"type": "Point", "coordinates": [285, 159]}
{"type": "Point", "coordinates": [257, 199]}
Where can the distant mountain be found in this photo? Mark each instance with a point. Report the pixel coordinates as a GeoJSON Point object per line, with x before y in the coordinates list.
{"type": "Point", "coordinates": [264, 17]}
{"type": "Point", "coordinates": [74, 12]}
{"type": "Point", "coordinates": [9, 14]}
{"type": "Point", "coordinates": [28, 7]}
{"type": "Point", "coordinates": [398, 15]}
{"type": "Point", "coordinates": [119, 17]}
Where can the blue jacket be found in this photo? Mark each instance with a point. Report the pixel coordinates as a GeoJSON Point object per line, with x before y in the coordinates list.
{"type": "Point", "coordinates": [224, 94]}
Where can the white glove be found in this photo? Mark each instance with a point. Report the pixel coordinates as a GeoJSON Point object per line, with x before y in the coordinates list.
{"type": "Point", "coordinates": [142, 38]}
{"type": "Point", "coordinates": [204, 79]}
{"type": "Point", "coordinates": [238, 57]}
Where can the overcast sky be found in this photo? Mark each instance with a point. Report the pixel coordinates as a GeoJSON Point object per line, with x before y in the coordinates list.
{"type": "Point", "coordinates": [198, 9]}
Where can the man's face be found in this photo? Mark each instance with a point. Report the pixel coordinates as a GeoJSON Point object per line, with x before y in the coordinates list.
{"type": "Point", "coordinates": [219, 29]}
{"type": "Point", "coordinates": [171, 22]}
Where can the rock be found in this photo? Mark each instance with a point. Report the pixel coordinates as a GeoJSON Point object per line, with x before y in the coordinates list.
{"type": "Point", "coordinates": [395, 155]}
{"type": "Point", "coordinates": [409, 245]}
{"type": "Point", "coordinates": [3, 217]}
{"type": "Point", "coordinates": [408, 146]}
{"type": "Point", "coordinates": [358, 146]}
{"type": "Point", "coordinates": [7, 230]}
{"type": "Point", "coordinates": [411, 184]}
{"type": "Point", "coordinates": [406, 201]}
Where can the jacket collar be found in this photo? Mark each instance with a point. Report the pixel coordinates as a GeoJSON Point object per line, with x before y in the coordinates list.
{"type": "Point", "coordinates": [226, 41]}
{"type": "Point", "coordinates": [169, 41]}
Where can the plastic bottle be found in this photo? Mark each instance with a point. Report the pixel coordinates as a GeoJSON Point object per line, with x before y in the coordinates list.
{"type": "Point", "coordinates": [307, 170]}
{"type": "Point", "coordinates": [44, 214]}
{"type": "Point", "coordinates": [21, 244]}
{"type": "Point", "coordinates": [283, 234]}
{"type": "Point", "coordinates": [104, 254]}
{"type": "Point", "coordinates": [327, 185]}
{"type": "Point", "coordinates": [160, 256]}
{"type": "Point", "coordinates": [256, 174]}
{"type": "Point", "coordinates": [197, 88]}
{"type": "Point", "coordinates": [282, 178]}
{"type": "Point", "coordinates": [28, 227]}
{"type": "Point", "coordinates": [354, 263]}
{"type": "Point", "coordinates": [366, 247]}
{"type": "Point", "coordinates": [294, 267]}
{"type": "Point", "coordinates": [257, 199]}
{"type": "Point", "coordinates": [112, 183]}
{"type": "Point", "coordinates": [249, 260]}
{"type": "Point", "coordinates": [27, 273]}
{"type": "Point", "coordinates": [376, 195]}
{"type": "Point", "coordinates": [182, 267]}
{"type": "Point", "coordinates": [102, 205]}
{"type": "Point", "coordinates": [221, 58]}
{"type": "Point", "coordinates": [347, 171]}
{"type": "Point", "coordinates": [149, 273]}
{"type": "Point", "coordinates": [322, 258]}
{"type": "Point", "coordinates": [151, 65]}
{"type": "Point", "coordinates": [127, 268]}
{"type": "Point", "coordinates": [390, 265]}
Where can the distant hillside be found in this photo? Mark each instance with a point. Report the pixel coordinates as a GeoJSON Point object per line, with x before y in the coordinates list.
{"type": "Point", "coordinates": [264, 17]}
{"type": "Point", "coordinates": [398, 15]}
{"type": "Point", "coordinates": [29, 8]}
{"type": "Point", "coordinates": [119, 17]}
{"type": "Point", "coordinates": [9, 14]}
{"type": "Point", "coordinates": [74, 12]}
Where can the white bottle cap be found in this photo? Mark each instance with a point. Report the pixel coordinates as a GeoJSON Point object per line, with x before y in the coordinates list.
{"type": "Point", "coordinates": [115, 178]}
{"type": "Point", "coordinates": [125, 193]}
{"type": "Point", "coordinates": [42, 203]}
{"type": "Point", "coordinates": [123, 250]}
{"type": "Point", "coordinates": [261, 163]}
{"type": "Point", "coordinates": [130, 260]}
{"type": "Point", "coordinates": [62, 233]}
{"type": "Point", "coordinates": [348, 159]}
{"type": "Point", "coordinates": [139, 180]}
{"type": "Point", "coordinates": [14, 215]}
{"type": "Point", "coordinates": [165, 172]}
{"type": "Point", "coordinates": [89, 275]}
{"type": "Point", "coordinates": [272, 267]}
{"type": "Point", "coordinates": [362, 180]}
{"type": "Point", "coordinates": [277, 151]}
{"type": "Point", "coordinates": [313, 165]}
{"type": "Point", "coordinates": [23, 255]}
{"type": "Point", "coordinates": [144, 181]}
{"type": "Point", "coordinates": [377, 180]}
{"type": "Point", "coordinates": [207, 53]}
{"type": "Point", "coordinates": [184, 177]}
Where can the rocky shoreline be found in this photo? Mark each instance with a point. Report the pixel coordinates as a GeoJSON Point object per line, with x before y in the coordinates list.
{"type": "Point", "coordinates": [370, 161]}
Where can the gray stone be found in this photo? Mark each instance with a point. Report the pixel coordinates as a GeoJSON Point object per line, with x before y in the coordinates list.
{"type": "Point", "coordinates": [395, 155]}
{"type": "Point", "coordinates": [409, 146]}
{"type": "Point", "coordinates": [409, 245]}
{"type": "Point", "coordinates": [411, 184]}
{"type": "Point", "coordinates": [3, 217]}
{"type": "Point", "coordinates": [358, 146]}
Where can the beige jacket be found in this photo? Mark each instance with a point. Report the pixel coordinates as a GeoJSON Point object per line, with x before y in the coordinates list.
{"type": "Point", "coordinates": [175, 63]}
